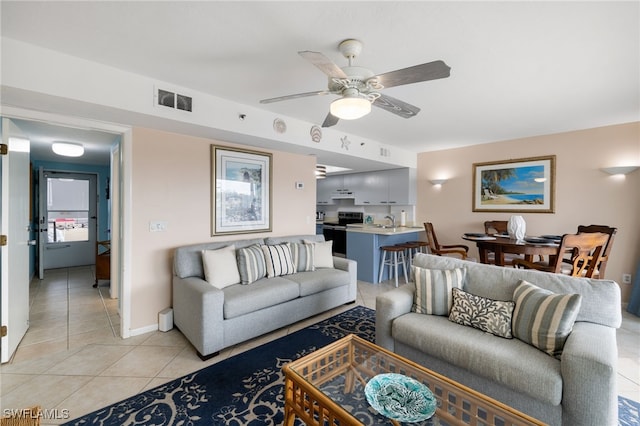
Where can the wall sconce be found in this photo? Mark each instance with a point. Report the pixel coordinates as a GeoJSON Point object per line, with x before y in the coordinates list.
{"type": "Point", "coordinates": [321, 171]}
{"type": "Point", "coordinates": [438, 182]}
{"type": "Point", "coordinates": [621, 170]}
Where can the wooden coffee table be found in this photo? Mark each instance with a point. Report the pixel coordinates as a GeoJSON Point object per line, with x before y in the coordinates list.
{"type": "Point", "coordinates": [316, 385]}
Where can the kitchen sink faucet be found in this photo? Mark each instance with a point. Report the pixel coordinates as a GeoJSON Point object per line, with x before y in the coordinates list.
{"type": "Point", "coordinates": [392, 218]}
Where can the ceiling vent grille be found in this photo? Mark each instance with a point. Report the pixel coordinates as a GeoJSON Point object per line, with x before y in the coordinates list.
{"type": "Point", "coordinates": [169, 99]}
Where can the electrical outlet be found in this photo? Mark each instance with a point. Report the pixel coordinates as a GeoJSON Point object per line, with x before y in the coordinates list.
{"type": "Point", "coordinates": [626, 278]}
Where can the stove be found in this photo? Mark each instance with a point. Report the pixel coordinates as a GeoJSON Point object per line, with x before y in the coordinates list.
{"type": "Point", "coordinates": [338, 233]}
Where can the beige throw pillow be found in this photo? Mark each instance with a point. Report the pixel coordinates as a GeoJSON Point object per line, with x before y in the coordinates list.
{"type": "Point", "coordinates": [220, 267]}
{"type": "Point", "coordinates": [323, 253]}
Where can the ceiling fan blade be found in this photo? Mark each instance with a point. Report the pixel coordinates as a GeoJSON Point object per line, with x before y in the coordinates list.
{"type": "Point", "coordinates": [330, 120]}
{"type": "Point", "coordinates": [396, 106]}
{"type": "Point", "coordinates": [417, 73]}
{"type": "Point", "coordinates": [323, 63]}
{"type": "Point", "coordinates": [298, 95]}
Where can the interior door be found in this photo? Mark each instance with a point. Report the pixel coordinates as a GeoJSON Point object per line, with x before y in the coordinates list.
{"type": "Point", "coordinates": [67, 219]}
{"type": "Point", "coordinates": [14, 224]}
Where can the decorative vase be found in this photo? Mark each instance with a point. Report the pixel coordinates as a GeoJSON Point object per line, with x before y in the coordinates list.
{"type": "Point", "coordinates": [517, 228]}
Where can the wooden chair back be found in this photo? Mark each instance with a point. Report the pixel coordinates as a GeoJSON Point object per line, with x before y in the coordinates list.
{"type": "Point", "coordinates": [437, 249]}
{"type": "Point", "coordinates": [492, 227]}
{"type": "Point", "coordinates": [584, 253]}
{"type": "Point", "coordinates": [611, 232]}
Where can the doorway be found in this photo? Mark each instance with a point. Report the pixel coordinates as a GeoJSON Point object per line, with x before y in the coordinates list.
{"type": "Point", "coordinates": [67, 219]}
{"type": "Point", "coordinates": [118, 152]}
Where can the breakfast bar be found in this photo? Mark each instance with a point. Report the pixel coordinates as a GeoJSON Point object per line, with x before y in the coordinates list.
{"type": "Point", "coordinates": [364, 242]}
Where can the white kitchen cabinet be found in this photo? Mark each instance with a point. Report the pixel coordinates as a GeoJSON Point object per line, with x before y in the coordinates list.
{"type": "Point", "coordinates": [370, 188]}
{"type": "Point", "coordinates": [325, 188]}
{"type": "Point", "coordinates": [401, 186]}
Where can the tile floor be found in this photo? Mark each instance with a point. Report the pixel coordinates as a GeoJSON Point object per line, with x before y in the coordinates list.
{"type": "Point", "coordinates": [72, 362]}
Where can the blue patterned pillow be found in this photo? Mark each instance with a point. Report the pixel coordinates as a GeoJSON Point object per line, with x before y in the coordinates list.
{"type": "Point", "coordinates": [278, 260]}
{"type": "Point", "coordinates": [433, 289]}
{"type": "Point", "coordinates": [303, 256]}
{"type": "Point", "coordinates": [251, 264]}
{"type": "Point", "coordinates": [491, 316]}
{"type": "Point", "coordinates": [542, 318]}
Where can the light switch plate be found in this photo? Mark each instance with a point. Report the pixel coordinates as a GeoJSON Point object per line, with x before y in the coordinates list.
{"type": "Point", "coordinates": [299, 185]}
{"type": "Point", "coordinates": [157, 226]}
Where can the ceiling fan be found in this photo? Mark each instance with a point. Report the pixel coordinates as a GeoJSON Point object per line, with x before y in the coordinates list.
{"type": "Point", "coordinates": [359, 87]}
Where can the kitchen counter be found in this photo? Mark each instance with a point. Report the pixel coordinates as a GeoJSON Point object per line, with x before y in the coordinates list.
{"type": "Point", "coordinates": [384, 230]}
{"type": "Point", "coordinates": [364, 242]}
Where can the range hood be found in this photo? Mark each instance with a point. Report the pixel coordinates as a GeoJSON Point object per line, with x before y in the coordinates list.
{"type": "Point", "coordinates": [342, 194]}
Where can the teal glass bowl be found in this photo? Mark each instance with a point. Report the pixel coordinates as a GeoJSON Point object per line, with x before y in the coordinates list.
{"type": "Point", "coordinates": [400, 398]}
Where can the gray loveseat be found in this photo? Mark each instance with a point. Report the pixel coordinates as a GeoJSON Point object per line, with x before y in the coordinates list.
{"type": "Point", "coordinates": [214, 319]}
{"type": "Point", "coordinates": [577, 389]}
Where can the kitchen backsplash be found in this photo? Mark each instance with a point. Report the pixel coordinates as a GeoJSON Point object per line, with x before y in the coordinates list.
{"type": "Point", "coordinates": [377, 213]}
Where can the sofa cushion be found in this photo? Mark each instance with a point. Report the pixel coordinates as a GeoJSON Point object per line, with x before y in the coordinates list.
{"type": "Point", "coordinates": [323, 253]}
{"type": "Point", "coordinates": [278, 260]}
{"type": "Point", "coordinates": [600, 298]}
{"type": "Point", "coordinates": [513, 363]}
{"type": "Point", "coordinates": [492, 316]}
{"type": "Point", "coordinates": [243, 299]}
{"type": "Point", "coordinates": [294, 239]}
{"type": "Point", "coordinates": [544, 319]}
{"type": "Point", "coordinates": [220, 267]}
{"type": "Point", "coordinates": [187, 260]}
{"type": "Point", "coordinates": [303, 256]}
{"type": "Point", "coordinates": [251, 264]}
{"type": "Point", "coordinates": [433, 289]}
{"type": "Point", "coordinates": [320, 280]}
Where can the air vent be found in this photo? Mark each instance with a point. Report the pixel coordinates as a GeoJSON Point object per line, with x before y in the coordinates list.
{"type": "Point", "coordinates": [169, 99]}
{"type": "Point", "coordinates": [385, 152]}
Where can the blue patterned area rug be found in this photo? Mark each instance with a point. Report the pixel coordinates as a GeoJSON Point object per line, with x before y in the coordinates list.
{"type": "Point", "coordinates": [247, 389]}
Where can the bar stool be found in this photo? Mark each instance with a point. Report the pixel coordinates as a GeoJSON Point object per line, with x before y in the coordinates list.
{"type": "Point", "coordinates": [424, 246]}
{"type": "Point", "coordinates": [396, 257]}
{"type": "Point", "coordinates": [410, 249]}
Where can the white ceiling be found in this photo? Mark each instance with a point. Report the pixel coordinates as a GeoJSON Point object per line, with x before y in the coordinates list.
{"type": "Point", "coordinates": [517, 68]}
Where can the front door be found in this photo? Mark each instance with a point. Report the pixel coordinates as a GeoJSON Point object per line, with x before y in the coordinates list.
{"type": "Point", "coordinates": [67, 219]}
{"type": "Point", "coordinates": [15, 226]}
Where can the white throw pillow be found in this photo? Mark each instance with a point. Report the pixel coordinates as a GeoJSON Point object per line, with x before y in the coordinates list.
{"type": "Point", "coordinates": [220, 267]}
{"type": "Point", "coordinates": [323, 253]}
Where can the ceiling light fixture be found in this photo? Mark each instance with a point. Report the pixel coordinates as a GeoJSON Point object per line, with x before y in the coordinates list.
{"type": "Point", "coordinates": [321, 171]}
{"type": "Point", "coordinates": [68, 149]}
{"type": "Point", "coordinates": [351, 106]}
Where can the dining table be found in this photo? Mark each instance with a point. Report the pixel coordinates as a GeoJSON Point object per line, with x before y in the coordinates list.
{"type": "Point", "coordinates": [529, 247]}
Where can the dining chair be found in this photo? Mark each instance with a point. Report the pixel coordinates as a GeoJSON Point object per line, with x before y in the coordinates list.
{"type": "Point", "coordinates": [493, 227]}
{"type": "Point", "coordinates": [585, 251]}
{"type": "Point", "coordinates": [604, 257]}
{"type": "Point", "coordinates": [443, 250]}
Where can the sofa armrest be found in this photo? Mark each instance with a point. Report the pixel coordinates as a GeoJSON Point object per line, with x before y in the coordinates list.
{"type": "Point", "coordinates": [389, 306]}
{"type": "Point", "coordinates": [589, 369]}
{"type": "Point", "coordinates": [198, 313]}
{"type": "Point", "coordinates": [351, 266]}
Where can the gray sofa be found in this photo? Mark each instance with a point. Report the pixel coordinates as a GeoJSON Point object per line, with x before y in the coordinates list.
{"type": "Point", "coordinates": [213, 319]}
{"type": "Point", "coordinates": [577, 389]}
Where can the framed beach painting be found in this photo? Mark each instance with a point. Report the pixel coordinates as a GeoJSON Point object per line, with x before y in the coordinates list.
{"type": "Point", "coordinates": [524, 185]}
{"type": "Point", "coordinates": [240, 191]}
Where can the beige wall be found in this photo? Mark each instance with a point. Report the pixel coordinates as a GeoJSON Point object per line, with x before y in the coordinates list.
{"type": "Point", "coordinates": [171, 182]}
{"type": "Point", "coordinates": [584, 194]}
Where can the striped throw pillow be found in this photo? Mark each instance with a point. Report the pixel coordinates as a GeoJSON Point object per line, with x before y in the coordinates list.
{"type": "Point", "coordinates": [542, 318]}
{"type": "Point", "coordinates": [433, 289]}
{"type": "Point", "coordinates": [251, 264]}
{"type": "Point", "coordinates": [303, 256]}
{"type": "Point", "coordinates": [278, 260]}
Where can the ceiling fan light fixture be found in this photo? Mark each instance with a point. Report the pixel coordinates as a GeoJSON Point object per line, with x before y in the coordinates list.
{"type": "Point", "coordinates": [350, 108]}
{"type": "Point", "coordinates": [68, 149]}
